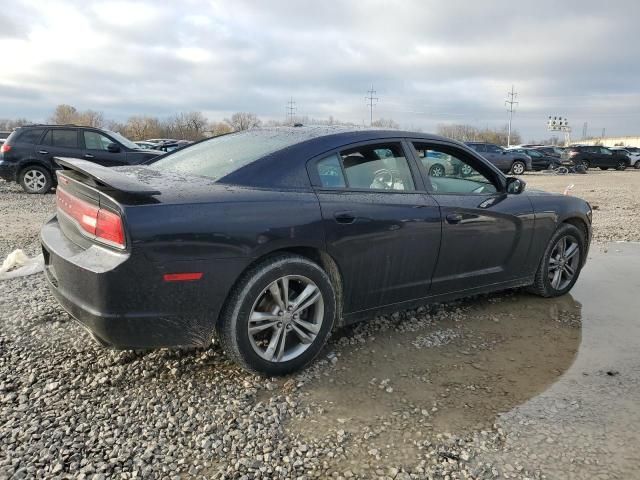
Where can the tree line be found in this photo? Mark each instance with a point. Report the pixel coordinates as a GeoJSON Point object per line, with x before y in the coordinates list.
{"type": "Point", "coordinates": [183, 126]}
{"type": "Point", "coordinates": [469, 133]}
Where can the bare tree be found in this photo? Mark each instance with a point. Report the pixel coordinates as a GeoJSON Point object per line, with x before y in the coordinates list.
{"type": "Point", "coordinates": [243, 121]}
{"type": "Point", "coordinates": [91, 118]}
{"type": "Point", "coordinates": [64, 114]}
{"type": "Point", "coordinates": [467, 133]}
{"type": "Point", "coordinates": [219, 128]}
{"type": "Point", "coordinates": [7, 124]}
{"type": "Point", "coordinates": [385, 123]}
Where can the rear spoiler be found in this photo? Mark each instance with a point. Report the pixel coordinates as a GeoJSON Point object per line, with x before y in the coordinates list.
{"type": "Point", "coordinates": [106, 176]}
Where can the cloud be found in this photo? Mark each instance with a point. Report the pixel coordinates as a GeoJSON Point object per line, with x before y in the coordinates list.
{"type": "Point", "coordinates": [430, 61]}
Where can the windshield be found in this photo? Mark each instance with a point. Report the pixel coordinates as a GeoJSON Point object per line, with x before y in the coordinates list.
{"type": "Point", "coordinates": [222, 155]}
{"type": "Point", "coordinates": [123, 140]}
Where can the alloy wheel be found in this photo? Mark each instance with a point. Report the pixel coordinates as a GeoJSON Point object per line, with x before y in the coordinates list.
{"type": "Point", "coordinates": [517, 168]}
{"type": "Point", "coordinates": [286, 318]}
{"type": "Point", "coordinates": [564, 262]}
{"type": "Point", "coordinates": [436, 171]}
{"type": "Point", "coordinates": [34, 180]}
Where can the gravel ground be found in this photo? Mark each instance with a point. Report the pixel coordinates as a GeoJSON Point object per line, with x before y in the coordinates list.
{"type": "Point", "coordinates": [452, 391]}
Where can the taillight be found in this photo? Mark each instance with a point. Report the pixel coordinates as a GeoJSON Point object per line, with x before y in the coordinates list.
{"type": "Point", "coordinates": [5, 148]}
{"type": "Point", "coordinates": [573, 153]}
{"type": "Point", "coordinates": [97, 222]}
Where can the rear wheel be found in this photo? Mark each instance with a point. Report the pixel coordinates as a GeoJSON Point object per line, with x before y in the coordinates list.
{"type": "Point", "coordinates": [35, 179]}
{"type": "Point", "coordinates": [585, 164]}
{"type": "Point", "coordinates": [561, 263]}
{"type": "Point", "coordinates": [518, 167]}
{"type": "Point", "coordinates": [279, 316]}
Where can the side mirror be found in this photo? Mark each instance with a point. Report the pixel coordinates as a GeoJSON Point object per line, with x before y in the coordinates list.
{"type": "Point", "coordinates": [515, 185]}
{"type": "Point", "coordinates": [113, 148]}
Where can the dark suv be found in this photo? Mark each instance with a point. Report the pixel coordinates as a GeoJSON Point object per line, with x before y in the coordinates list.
{"type": "Point", "coordinates": [595, 156]}
{"type": "Point", "coordinates": [27, 155]}
{"type": "Point", "coordinates": [507, 161]}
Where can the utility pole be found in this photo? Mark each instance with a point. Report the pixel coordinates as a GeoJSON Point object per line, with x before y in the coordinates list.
{"type": "Point", "coordinates": [585, 129]}
{"type": "Point", "coordinates": [291, 110]}
{"type": "Point", "coordinates": [604, 130]}
{"type": "Point", "coordinates": [511, 101]}
{"type": "Point", "coordinates": [371, 101]}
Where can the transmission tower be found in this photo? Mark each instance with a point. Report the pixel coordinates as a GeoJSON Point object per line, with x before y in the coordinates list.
{"type": "Point", "coordinates": [511, 102]}
{"type": "Point", "coordinates": [372, 100]}
{"type": "Point", "coordinates": [291, 110]}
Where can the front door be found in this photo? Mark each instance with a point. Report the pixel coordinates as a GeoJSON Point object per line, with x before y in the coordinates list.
{"type": "Point", "coordinates": [96, 150]}
{"type": "Point", "coordinates": [380, 228]}
{"type": "Point", "coordinates": [486, 233]}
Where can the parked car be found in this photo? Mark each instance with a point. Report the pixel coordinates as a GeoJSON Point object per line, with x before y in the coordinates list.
{"type": "Point", "coordinates": [27, 155]}
{"type": "Point", "coordinates": [506, 161]}
{"type": "Point", "coordinates": [632, 154]}
{"type": "Point", "coordinates": [539, 160]}
{"type": "Point", "coordinates": [274, 237]}
{"type": "Point", "coordinates": [147, 145]}
{"type": "Point", "coordinates": [550, 150]}
{"type": "Point", "coordinates": [595, 156]}
{"type": "Point", "coordinates": [439, 164]}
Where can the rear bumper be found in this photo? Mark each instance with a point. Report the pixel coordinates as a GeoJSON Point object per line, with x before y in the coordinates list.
{"type": "Point", "coordinates": [8, 171]}
{"type": "Point", "coordinates": [124, 302]}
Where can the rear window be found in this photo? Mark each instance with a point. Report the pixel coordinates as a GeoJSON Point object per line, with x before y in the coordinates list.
{"type": "Point", "coordinates": [31, 135]}
{"type": "Point", "coordinates": [62, 138]}
{"type": "Point", "coordinates": [219, 156]}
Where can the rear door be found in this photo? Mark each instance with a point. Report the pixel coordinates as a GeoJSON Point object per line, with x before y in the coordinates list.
{"type": "Point", "coordinates": [96, 149]}
{"type": "Point", "coordinates": [380, 227]}
{"type": "Point", "coordinates": [59, 142]}
{"type": "Point", "coordinates": [607, 158]}
{"type": "Point", "coordinates": [498, 158]}
{"type": "Point", "coordinates": [486, 233]}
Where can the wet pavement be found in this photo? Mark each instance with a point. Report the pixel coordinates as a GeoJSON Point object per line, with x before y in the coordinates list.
{"type": "Point", "coordinates": [536, 388]}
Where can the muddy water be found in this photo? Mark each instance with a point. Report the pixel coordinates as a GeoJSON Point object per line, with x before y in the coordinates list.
{"type": "Point", "coordinates": [559, 377]}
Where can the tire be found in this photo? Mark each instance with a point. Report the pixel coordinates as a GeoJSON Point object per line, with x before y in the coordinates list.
{"type": "Point", "coordinates": [35, 179]}
{"type": "Point", "coordinates": [437, 170]}
{"type": "Point", "coordinates": [252, 297]}
{"type": "Point", "coordinates": [622, 165]}
{"type": "Point", "coordinates": [586, 164]}
{"type": "Point", "coordinates": [518, 167]}
{"type": "Point", "coordinates": [545, 275]}
{"type": "Point", "coordinates": [466, 170]}
{"type": "Point", "coordinates": [637, 164]}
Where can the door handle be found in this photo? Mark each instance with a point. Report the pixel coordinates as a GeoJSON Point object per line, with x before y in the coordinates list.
{"type": "Point", "coordinates": [88, 155]}
{"type": "Point", "coordinates": [454, 218]}
{"type": "Point", "coordinates": [42, 152]}
{"type": "Point", "coordinates": [344, 217]}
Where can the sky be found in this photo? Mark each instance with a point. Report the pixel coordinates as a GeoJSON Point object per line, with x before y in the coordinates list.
{"type": "Point", "coordinates": [430, 62]}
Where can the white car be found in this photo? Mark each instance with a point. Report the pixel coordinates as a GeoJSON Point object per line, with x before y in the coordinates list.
{"type": "Point", "coordinates": [632, 152]}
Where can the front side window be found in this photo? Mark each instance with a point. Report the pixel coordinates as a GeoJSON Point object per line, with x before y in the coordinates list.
{"type": "Point", "coordinates": [494, 149]}
{"type": "Point", "coordinates": [450, 172]}
{"type": "Point", "coordinates": [377, 167]}
{"type": "Point", "coordinates": [63, 138]}
{"type": "Point", "coordinates": [96, 141]}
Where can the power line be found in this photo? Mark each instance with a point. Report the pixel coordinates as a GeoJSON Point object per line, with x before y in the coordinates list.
{"type": "Point", "coordinates": [511, 101]}
{"type": "Point", "coordinates": [291, 110]}
{"type": "Point", "coordinates": [371, 101]}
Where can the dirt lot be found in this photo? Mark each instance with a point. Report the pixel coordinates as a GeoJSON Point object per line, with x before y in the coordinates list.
{"type": "Point", "coordinates": [501, 386]}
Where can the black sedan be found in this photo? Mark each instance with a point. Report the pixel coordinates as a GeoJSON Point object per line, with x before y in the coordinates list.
{"type": "Point", "coordinates": [272, 238]}
{"type": "Point", "coordinates": [539, 159]}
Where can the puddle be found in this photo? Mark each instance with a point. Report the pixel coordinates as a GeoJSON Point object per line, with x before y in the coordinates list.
{"type": "Point", "coordinates": [540, 369]}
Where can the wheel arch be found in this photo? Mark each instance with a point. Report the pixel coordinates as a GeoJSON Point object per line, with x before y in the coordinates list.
{"type": "Point", "coordinates": [30, 162]}
{"type": "Point", "coordinates": [314, 254]}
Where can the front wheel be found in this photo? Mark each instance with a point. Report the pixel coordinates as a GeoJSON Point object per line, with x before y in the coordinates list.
{"type": "Point", "coordinates": [436, 170]}
{"type": "Point", "coordinates": [561, 263]}
{"type": "Point", "coordinates": [518, 168]}
{"type": "Point", "coordinates": [622, 165]}
{"type": "Point", "coordinates": [279, 316]}
{"type": "Point", "coordinates": [637, 164]}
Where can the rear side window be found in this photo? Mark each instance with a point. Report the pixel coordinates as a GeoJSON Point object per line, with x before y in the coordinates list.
{"type": "Point", "coordinates": [61, 138]}
{"type": "Point", "coordinates": [377, 167]}
{"type": "Point", "coordinates": [330, 172]}
{"type": "Point", "coordinates": [31, 135]}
